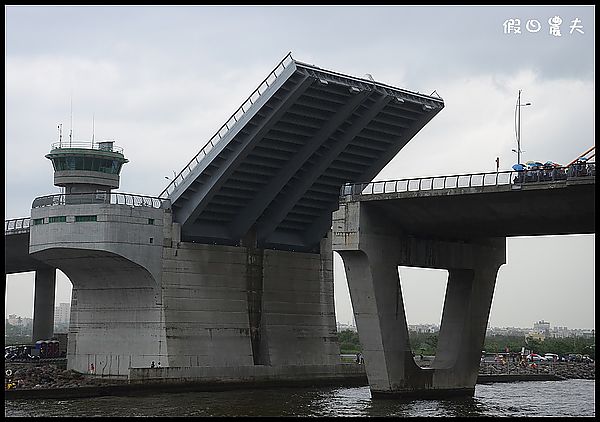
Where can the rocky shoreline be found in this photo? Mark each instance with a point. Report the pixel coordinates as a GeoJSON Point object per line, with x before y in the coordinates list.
{"type": "Point", "coordinates": [51, 376]}
{"type": "Point", "coordinates": [567, 370]}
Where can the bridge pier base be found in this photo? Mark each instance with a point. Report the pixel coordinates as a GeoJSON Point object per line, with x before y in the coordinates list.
{"type": "Point", "coordinates": [371, 258]}
{"type": "Point", "coordinates": [43, 304]}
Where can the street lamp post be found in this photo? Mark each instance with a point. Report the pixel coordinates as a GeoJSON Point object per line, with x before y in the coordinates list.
{"type": "Point", "coordinates": [518, 124]}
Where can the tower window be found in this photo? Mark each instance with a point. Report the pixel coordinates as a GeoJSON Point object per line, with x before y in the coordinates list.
{"type": "Point", "coordinates": [80, 218]}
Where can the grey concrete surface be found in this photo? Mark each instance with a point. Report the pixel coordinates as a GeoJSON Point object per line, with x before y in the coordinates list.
{"type": "Point", "coordinates": [43, 304]}
{"type": "Point", "coordinates": [142, 295]}
{"type": "Point", "coordinates": [115, 266]}
{"type": "Point", "coordinates": [372, 252]}
{"type": "Point", "coordinates": [16, 254]}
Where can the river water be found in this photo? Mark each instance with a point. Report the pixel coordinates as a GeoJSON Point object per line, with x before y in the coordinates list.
{"type": "Point", "coordinates": [573, 397]}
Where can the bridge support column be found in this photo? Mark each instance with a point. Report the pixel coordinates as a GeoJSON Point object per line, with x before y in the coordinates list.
{"type": "Point", "coordinates": [371, 258]}
{"type": "Point", "coordinates": [43, 304]}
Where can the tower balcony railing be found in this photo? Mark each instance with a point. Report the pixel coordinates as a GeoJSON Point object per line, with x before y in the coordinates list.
{"type": "Point", "coordinates": [262, 87]}
{"type": "Point", "coordinates": [528, 176]}
{"type": "Point", "coordinates": [112, 198]}
{"type": "Point", "coordinates": [16, 225]}
{"type": "Point", "coordinates": [95, 145]}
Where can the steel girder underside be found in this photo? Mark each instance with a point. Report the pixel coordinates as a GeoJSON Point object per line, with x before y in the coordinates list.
{"type": "Point", "coordinates": [274, 178]}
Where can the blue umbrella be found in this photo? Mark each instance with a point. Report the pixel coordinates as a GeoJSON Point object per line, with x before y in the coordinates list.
{"type": "Point", "coordinates": [533, 164]}
{"type": "Point", "coordinates": [518, 167]}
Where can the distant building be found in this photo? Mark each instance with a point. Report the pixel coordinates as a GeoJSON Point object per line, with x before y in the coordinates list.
{"type": "Point", "coordinates": [13, 319]}
{"type": "Point", "coordinates": [536, 335]}
{"type": "Point", "coordinates": [62, 313]}
{"type": "Point", "coordinates": [424, 328]}
{"type": "Point", "coordinates": [507, 331]}
{"type": "Point", "coordinates": [19, 321]}
{"type": "Point", "coordinates": [560, 332]}
{"type": "Point", "coordinates": [342, 327]}
{"type": "Point", "coordinates": [586, 333]}
{"type": "Point", "coordinates": [541, 330]}
{"type": "Point", "coordinates": [542, 327]}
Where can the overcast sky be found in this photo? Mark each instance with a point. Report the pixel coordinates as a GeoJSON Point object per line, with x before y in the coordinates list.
{"type": "Point", "coordinates": [161, 80]}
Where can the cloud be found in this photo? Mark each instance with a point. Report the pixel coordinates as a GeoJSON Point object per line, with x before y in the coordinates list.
{"type": "Point", "coordinates": [477, 125]}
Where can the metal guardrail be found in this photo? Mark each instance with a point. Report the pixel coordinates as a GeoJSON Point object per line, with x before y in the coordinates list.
{"type": "Point", "coordinates": [361, 82]}
{"type": "Point", "coordinates": [16, 225]}
{"type": "Point", "coordinates": [113, 198]}
{"type": "Point", "coordinates": [21, 225]}
{"type": "Point", "coordinates": [470, 180]}
{"type": "Point", "coordinates": [97, 145]}
{"type": "Point", "coordinates": [266, 83]}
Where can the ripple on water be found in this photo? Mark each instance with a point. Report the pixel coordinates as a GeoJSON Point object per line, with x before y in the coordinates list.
{"type": "Point", "coordinates": [530, 398]}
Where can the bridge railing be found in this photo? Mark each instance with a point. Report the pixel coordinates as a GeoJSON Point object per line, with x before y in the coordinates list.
{"type": "Point", "coordinates": [470, 180]}
{"type": "Point", "coordinates": [112, 198]}
{"type": "Point", "coordinates": [16, 225]}
{"type": "Point", "coordinates": [262, 87]}
{"type": "Point", "coordinates": [97, 145]}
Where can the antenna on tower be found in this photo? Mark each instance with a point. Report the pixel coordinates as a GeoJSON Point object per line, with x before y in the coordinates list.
{"type": "Point", "coordinates": [60, 135]}
{"type": "Point", "coordinates": [71, 132]}
{"type": "Point", "coordinates": [93, 129]}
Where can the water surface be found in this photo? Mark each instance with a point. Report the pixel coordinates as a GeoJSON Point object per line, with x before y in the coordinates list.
{"type": "Point", "coordinates": [528, 398]}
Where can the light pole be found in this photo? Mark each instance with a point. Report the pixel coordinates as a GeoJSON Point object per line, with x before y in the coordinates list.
{"type": "Point", "coordinates": [518, 126]}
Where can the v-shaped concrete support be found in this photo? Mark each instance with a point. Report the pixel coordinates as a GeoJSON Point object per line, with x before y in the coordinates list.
{"type": "Point", "coordinates": [372, 252]}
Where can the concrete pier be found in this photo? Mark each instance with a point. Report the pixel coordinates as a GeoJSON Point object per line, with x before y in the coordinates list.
{"type": "Point", "coordinates": [43, 304]}
{"type": "Point", "coordinates": [114, 263]}
{"type": "Point", "coordinates": [140, 294]}
{"type": "Point", "coordinates": [372, 250]}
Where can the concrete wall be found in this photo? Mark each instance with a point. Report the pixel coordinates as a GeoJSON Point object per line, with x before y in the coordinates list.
{"type": "Point", "coordinates": [298, 307]}
{"type": "Point", "coordinates": [214, 310]}
{"type": "Point", "coordinates": [114, 264]}
{"type": "Point", "coordinates": [255, 373]}
{"type": "Point", "coordinates": [204, 295]}
{"type": "Point", "coordinates": [121, 229]}
{"type": "Point", "coordinates": [142, 295]}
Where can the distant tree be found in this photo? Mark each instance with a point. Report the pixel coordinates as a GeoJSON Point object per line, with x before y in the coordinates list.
{"type": "Point", "coordinates": [18, 330]}
{"type": "Point", "coordinates": [426, 344]}
{"type": "Point", "coordinates": [499, 343]}
{"type": "Point", "coordinates": [349, 342]}
{"type": "Point", "coordinates": [11, 340]}
{"type": "Point", "coordinates": [423, 343]}
{"type": "Point", "coordinates": [534, 345]}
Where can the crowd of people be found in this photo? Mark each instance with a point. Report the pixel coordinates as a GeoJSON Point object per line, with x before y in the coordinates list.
{"type": "Point", "coordinates": [538, 172]}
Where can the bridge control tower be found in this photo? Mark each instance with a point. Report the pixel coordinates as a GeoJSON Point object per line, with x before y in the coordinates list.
{"type": "Point", "coordinates": [80, 167]}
